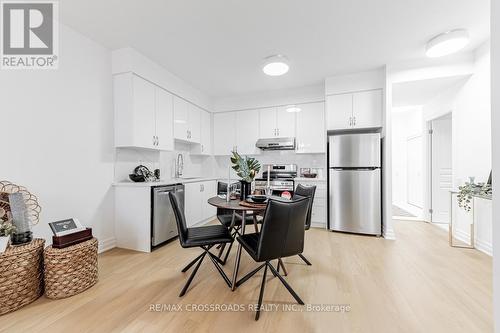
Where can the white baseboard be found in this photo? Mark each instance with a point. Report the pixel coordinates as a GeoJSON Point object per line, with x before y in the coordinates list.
{"type": "Point", "coordinates": [319, 225]}
{"type": "Point", "coordinates": [106, 244]}
{"type": "Point", "coordinates": [389, 233]}
{"type": "Point", "coordinates": [479, 244]}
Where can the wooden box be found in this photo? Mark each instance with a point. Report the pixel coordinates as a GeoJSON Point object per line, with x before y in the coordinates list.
{"type": "Point", "coordinates": [60, 242]}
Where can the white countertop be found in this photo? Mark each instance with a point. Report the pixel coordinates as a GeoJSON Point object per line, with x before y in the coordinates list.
{"type": "Point", "coordinates": [164, 182]}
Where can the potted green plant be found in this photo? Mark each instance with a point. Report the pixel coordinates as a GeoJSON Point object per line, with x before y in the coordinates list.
{"type": "Point", "coordinates": [246, 168]}
{"type": "Point", "coordinates": [6, 230]}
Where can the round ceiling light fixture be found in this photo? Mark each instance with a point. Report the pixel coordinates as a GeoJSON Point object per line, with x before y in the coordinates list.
{"type": "Point", "coordinates": [293, 109]}
{"type": "Point", "coordinates": [447, 43]}
{"type": "Point", "coordinates": [275, 65]}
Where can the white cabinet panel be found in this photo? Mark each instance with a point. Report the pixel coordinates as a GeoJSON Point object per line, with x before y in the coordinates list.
{"type": "Point", "coordinates": [192, 200]}
{"type": "Point", "coordinates": [144, 112]}
{"type": "Point", "coordinates": [164, 119]}
{"type": "Point", "coordinates": [194, 123]}
{"type": "Point", "coordinates": [247, 132]}
{"type": "Point", "coordinates": [267, 123]}
{"type": "Point", "coordinates": [181, 114]}
{"type": "Point", "coordinates": [367, 109]}
{"type": "Point", "coordinates": [224, 133]}
{"type": "Point", "coordinates": [311, 129]}
{"type": "Point", "coordinates": [339, 111]}
{"type": "Point", "coordinates": [206, 133]}
{"type": "Point", "coordinates": [209, 190]}
{"type": "Point", "coordinates": [285, 123]}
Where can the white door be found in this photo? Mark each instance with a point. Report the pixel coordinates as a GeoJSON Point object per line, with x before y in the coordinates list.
{"type": "Point", "coordinates": [248, 132]}
{"type": "Point", "coordinates": [164, 120]}
{"type": "Point", "coordinates": [194, 123]}
{"type": "Point", "coordinates": [181, 110]}
{"type": "Point", "coordinates": [441, 169]}
{"type": "Point", "coordinates": [311, 128]}
{"type": "Point", "coordinates": [206, 133]}
{"type": "Point", "coordinates": [144, 113]}
{"type": "Point", "coordinates": [339, 111]}
{"type": "Point", "coordinates": [224, 133]}
{"type": "Point", "coordinates": [367, 109]}
{"type": "Point", "coordinates": [414, 171]}
{"type": "Point", "coordinates": [209, 190]}
{"type": "Point", "coordinates": [192, 203]}
{"type": "Point", "coordinates": [267, 121]}
{"type": "Point", "coordinates": [285, 122]}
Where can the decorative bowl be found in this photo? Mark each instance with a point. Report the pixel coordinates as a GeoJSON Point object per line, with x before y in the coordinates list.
{"type": "Point", "coordinates": [136, 178]}
{"type": "Point", "coordinates": [310, 175]}
{"type": "Point", "coordinates": [258, 198]}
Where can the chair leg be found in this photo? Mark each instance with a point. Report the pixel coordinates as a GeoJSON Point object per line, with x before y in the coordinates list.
{"type": "Point", "coordinates": [305, 259]}
{"type": "Point", "coordinates": [185, 269]}
{"type": "Point", "coordinates": [227, 253]}
{"type": "Point", "coordinates": [219, 269]}
{"type": "Point", "coordinates": [287, 286]}
{"type": "Point", "coordinates": [221, 249]}
{"type": "Point", "coordinates": [236, 267]}
{"type": "Point", "coordinates": [192, 275]}
{"type": "Point", "coordinates": [261, 295]}
{"type": "Point", "coordinates": [280, 263]}
{"type": "Point", "coordinates": [249, 275]}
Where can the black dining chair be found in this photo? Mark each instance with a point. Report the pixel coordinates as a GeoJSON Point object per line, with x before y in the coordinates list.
{"type": "Point", "coordinates": [306, 192]}
{"type": "Point", "coordinates": [204, 237]}
{"type": "Point", "coordinates": [281, 235]}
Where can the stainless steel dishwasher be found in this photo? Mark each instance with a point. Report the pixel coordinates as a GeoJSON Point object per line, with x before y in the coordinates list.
{"type": "Point", "coordinates": [163, 224]}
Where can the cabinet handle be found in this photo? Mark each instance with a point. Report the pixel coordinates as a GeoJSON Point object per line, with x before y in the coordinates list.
{"type": "Point", "coordinates": [354, 121]}
{"type": "Point", "coordinates": [202, 148]}
{"type": "Point", "coordinates": [157, 141]}
{"type": "Point", "coordinates": [278, 131]}
{"type": "Point", "coordinates": [350, 121]}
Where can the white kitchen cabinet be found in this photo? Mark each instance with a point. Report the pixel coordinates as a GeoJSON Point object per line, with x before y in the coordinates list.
{"type": "Point", "coordinates": [164, 119]}
{"type": "Point", "coordinates": [276, 122]}
{"type": "Point", "coordinates": [194, 123]}
{"type": "Point", "coordinates": [355, 110]}
{"type": "Point", "coordinates": [319, 209]}
{"type": "Point", "coordinates": [187, 121]}
{"type": "Point", "coordinates": [367, 109]}
{"type": "Point", "coordinates": [247, 133]}
{"type": "Point", "coordinates": [142, 113]}
{"type": "Point", "coordinates": [310, 136]}
{"type": "Point", "coordinates": [224, 133]}
{"type": "Point", "coordinates": [205, 146]}
{"type": "Point", "coordinates": [196, 207]}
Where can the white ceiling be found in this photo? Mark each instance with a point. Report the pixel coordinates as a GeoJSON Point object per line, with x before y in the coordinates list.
{"type": "Point", "coordinates": [218, 45]}
{"type": "Point", "coordinates": [423, 91]}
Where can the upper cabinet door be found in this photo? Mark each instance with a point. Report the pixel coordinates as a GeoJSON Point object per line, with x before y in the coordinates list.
{"type": "Point", "coordinates": [143, 113]}
{"type": "Point", "coordinates": [311, 128]}
{"type": "Point", "coordinates": [164, 120]}
{"type": "Point", "coordinates": [248, 132]}
{"type": "Point", "coordinates": [194, 123]}
{"type": "Point", "coordinates": [224, 133]}
{"type": "Point", "coordinates": [367, 109]}
{"type": "Point", "coordinates": [267, 123]}
{"type": "Point", "coordinates": [206, 133]}
{"type": "Point", "coordinates": [285, 123]}
{"type": "Point", "coordinates": [339, 111]}
{"type": "Point", "coordinates": [181, 111]}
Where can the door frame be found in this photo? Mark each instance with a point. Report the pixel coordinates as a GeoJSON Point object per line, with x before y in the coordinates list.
{"type": "Point", "coordinates": [427, 209]}
{"type": "Point", "coordinates": [413, 137]}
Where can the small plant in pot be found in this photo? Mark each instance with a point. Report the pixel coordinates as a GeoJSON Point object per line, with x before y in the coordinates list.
{"type": "Point", "coordinates": [7, 229]}
{"type": "Point", "coordinates": [246, 168]}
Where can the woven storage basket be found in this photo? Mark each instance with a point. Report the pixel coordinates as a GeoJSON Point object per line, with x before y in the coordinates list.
{"type": "Point", "coordinates": [21, 275]}
{"type": "Point", "coordinates": [70, 270]}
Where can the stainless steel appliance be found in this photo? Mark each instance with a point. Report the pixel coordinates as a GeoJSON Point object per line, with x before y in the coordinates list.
{"type": "Point", "coordinates": [355, 190]}
{"type": "Point", "coordinates": [280, 178]}
{"type": "Point", "coordinates": [163, 225]}
{"type": "Point", "coordinates": [276, 144]}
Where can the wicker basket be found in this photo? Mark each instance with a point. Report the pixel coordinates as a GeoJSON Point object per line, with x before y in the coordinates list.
{"type": "Point", "coordinates": [70, 270]}
{"type": "Point", "coordinates": [21, 275]}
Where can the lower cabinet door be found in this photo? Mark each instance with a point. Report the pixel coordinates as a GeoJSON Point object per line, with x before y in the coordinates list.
{"type": "Point", "coordinates": [192, 203]}
{"type": "Point", "coordinates": [209, 190]}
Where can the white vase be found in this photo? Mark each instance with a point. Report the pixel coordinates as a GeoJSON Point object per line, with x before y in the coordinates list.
{"type": "Point", "coordinates": [4, 242]}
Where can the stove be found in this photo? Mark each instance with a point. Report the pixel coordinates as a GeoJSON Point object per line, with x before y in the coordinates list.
{"type": "Point", "coordinates": [280, 178]}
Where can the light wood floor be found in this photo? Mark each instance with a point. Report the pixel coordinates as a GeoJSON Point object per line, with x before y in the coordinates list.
{"type": "Point", "coordinates": [414, 284]}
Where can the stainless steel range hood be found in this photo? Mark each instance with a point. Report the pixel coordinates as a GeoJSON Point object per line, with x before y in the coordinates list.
{"type": "Point", "coordinates": [276, 144]}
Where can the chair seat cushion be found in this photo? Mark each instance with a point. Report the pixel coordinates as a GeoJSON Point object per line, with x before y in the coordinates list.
{"type": "Point", "coordinates": [207, 235]}
{"type": "Point", "coordinates": [250, 242]}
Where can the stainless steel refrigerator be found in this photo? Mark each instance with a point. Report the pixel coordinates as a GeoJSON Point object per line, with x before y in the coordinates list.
{"type": "Point", "coordinates": [355, 183]}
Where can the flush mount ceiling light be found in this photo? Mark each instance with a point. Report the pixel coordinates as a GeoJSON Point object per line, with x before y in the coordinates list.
{"type": "Point", "coordinates": [293, 109]}
{"type": "Point", "coordinates": [275, 65]}
{"type": "Point", "coordinates": [447, 43]}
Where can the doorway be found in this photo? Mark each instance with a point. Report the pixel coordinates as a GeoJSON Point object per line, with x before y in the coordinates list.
{"type": "Point", "coordinates": [441, 168]}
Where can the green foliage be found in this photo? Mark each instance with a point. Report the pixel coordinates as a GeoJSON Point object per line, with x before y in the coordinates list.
{"type": "Point", "coordinates": [246, 167]}
{"type": "Point", "coordinates": [467, 191]}
{"type": "Point", "coordinates": [7, 229]}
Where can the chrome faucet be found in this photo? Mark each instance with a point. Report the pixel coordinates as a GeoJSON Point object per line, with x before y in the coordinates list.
{"type": "Point", "coordinates": [179, 166]}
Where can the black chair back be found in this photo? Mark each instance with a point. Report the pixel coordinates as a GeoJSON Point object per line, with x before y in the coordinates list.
{"type": "Point", "coordinates": [282, 232]}
{"type": "Point", "coordinates": [306, 192]}
{"type": "Point", "coordinates": [179, 216]}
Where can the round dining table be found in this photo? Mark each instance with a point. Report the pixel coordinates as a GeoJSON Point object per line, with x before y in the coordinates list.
{"type": "Point", "coordinates": [239, 210]}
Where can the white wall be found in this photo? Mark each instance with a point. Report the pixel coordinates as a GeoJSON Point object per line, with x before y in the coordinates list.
{"type": "Point", "coordinates": [495, 130]}
{"type": "Point", "coordinates": [406, 123]}
{"type": "Point", "coordinates": [58, 138]}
